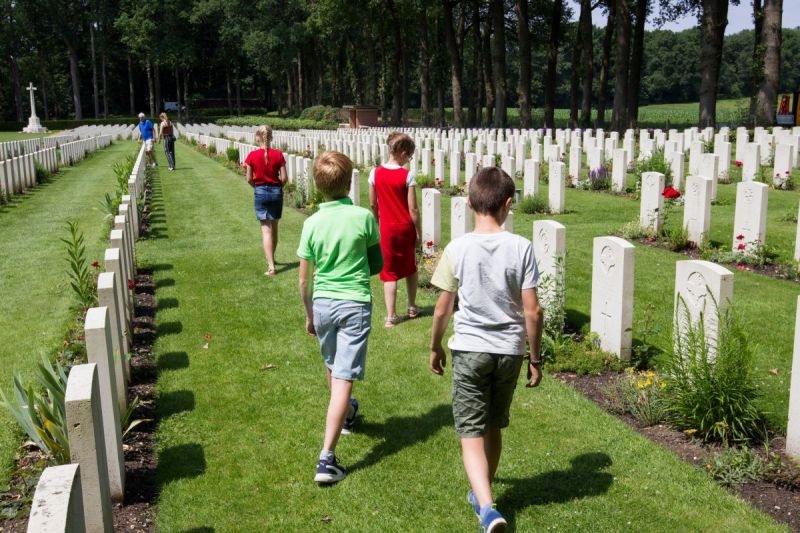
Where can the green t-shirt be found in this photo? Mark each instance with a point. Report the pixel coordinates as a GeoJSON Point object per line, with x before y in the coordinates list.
{"type": "Point", "coordinates": [336, 238]}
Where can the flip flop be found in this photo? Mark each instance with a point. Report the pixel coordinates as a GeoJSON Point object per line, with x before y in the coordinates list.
{"type": "Point", "coordinates": [413, 312]}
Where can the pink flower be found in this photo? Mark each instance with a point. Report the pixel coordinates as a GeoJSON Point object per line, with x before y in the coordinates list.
{"type": "Point", "coordinates": [738, 163]}
{"type": "Point", "coordinates": [741, 246]}
{"type": "Point", "coordinates": [740, 237]}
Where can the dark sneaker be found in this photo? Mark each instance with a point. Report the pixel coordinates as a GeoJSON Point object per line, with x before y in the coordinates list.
{"type": "Point", "coordinates": [350, 421]}
{"type": "Point", "coordinates": [473, 501]}
{"type": "Point", "coordinates": [329, 471]}
{"type": "Point", "coordinates": [491, 520]}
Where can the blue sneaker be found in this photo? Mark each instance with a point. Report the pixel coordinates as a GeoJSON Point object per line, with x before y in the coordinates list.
{"type": "Point", "coordinates": [473, 501]}
{"type": "Point", "coordinates": [329, 471]}
{"type": "Point", "coordinates": [491, 520]}
{"type": "Point", "coordinates": [350, 421]}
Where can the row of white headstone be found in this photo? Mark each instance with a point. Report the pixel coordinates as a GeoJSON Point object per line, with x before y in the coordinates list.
{"type": "Point", "coordinates": [75, 151]}
{"type": "Point", "coordinates": [18, 174]}
{"type": "Point", "coordinates": [9, 149]}
{"type": "Point", "coordinates": [78, 496]}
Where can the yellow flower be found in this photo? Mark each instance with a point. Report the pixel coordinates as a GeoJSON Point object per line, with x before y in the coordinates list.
{"type": "Point", "coordinates": [662, 385]}
{"type": "Point", "coordinates": [648, 382]}
{"type": "Point", "coordinates": [651, 373]}
{"type": "Point", "coordinates": [640, 384]}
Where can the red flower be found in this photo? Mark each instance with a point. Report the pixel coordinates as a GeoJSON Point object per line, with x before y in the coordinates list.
{"type": "Point", "coordinates": [741, 246]}
{"type": "Point", "coordinates": [207, 336]}
{"type": "Point", "coordinates": [738, 163]}
{"type": "Point", "coordinates": [740, 237]}
{"type": "Point", "coordinates": [671, 193]}
{"type": "Point", "coordinates": [95, 264]}
{"type": "Point", "coordinates": [429, 243]}
{"type": "Point", "coordinates": [740, 266]}
{"type": "Point", "coordinates": [131, 285]}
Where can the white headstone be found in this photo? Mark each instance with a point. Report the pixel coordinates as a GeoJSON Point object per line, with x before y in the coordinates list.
{"type": "Point", "coordinates": [431, 216]}
{"type": "Point", "coordinates": [697, 207]}
{"type": "Point", "coordinates": [455, 168]}
{"type": "Point", "coordinates": [508, 224]}
{"type": "Point", "coordinates": [751, 162]}
{"type": "Point", "coordinates": [470, 167]}
{"type": "Point", "coordinates": [782, 167]}
{"type": "Point", "coordinates": [460, 217]}
{"type": "Point", "coordinates": [702, 290]}
{"type": "Point", "coordinates": [651, 210]}
{"type": "Point", "coordinates": [619, 172]}
{"type": "Point", "coordinates": [612, 294]}
{"type": "Point", "coordinates": [550, 249]}
{"type": "Point", "coordinates": [793, 427]}
{"type": "Point", "coordinates": [530, 180]}
{"type": "Point", "coordinates": [438, 165]}
{"type": "Point", "coordinates": [556, 189]}
{"type": "Point", "coordinates": [723, 151]}
{"type": "Point", "coordinates": [750, 220]}
{"type": "Point", "coordinates": [355, 188]}
{"type": "Point", "coordinates": [58, 502]}
{"type": "Point", "coordinates": [676, 166]}
{"type": "Point", "coordinates": [708, 168]}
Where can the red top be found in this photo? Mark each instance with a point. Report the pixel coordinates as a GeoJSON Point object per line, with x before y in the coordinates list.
{"type": "Point", "coordinates": [391, 188]}
{"type": "Point", "coordinates": [266, 170]}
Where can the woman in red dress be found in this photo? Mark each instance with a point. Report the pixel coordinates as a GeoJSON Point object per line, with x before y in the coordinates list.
{"type": "Point", "coordinates": [393, 198]}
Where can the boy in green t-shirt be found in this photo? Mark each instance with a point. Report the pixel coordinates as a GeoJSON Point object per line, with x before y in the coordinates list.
{"type": "Point", "coordinates": [342, 242]}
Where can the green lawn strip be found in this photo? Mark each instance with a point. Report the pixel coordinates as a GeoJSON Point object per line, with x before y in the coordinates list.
{"type": "Point", "coordinates": [37, 302]}
{"type": "Point", "coordinates": [237, 441]}
{"type": "Point", "coordinates": [14, 136]}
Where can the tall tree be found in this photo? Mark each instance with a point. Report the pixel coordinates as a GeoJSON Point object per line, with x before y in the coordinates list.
{"type": "Point", "coordinates": [605, 63]}
{"type": "Point", "coordinates": [587, 61]}
{"type": "Point", "coordinates": [477, 66]}
{"type": "Point", "coordinates": [454, 36]}
{"type": "Point", "coordinates": [552, 64]}
{"type": "Point", "coordinates": [618, 115]}
{"type": "Point", "coordinates": [770, 64]}
{"type": "Point", "coordinates": [524, 42]}
{"type": "Point", "coordinates": [713, 20]}
{"type": "Point", "coordinates": [488, 78]}
{"type": "Point", "coordinates": [635, 72]}
{"type": "Point", "coordinates": [758, 55]}
{"type": "Point", "coordinates": [498, 17]}
{"type": "Point", "coordinates": [424, 68]}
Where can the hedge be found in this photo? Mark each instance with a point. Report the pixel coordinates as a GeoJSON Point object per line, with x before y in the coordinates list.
{"type": "Point", "coordinates": [278, 123]}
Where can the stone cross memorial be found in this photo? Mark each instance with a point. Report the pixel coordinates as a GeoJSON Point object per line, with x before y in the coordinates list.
{"type": "Point", "coordinates": [34, 125]}
{"type": "Point", "coordinates": [612, 294]}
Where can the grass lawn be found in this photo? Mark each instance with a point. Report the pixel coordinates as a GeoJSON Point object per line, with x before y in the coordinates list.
{"type": "Point", "coordinates": [36, 303]}
{"type": "Point", "coordinates": [237, 440]}
{"type": "Point", "coordinates": [13, 136]}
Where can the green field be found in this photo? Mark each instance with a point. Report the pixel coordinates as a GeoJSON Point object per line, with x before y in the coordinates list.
{"type": "Point", "coordinates": [237, 439]}
{"type": "Point", "coordinates": [13, 136]}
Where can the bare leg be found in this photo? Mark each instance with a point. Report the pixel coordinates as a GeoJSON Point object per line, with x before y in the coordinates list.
{"type": "Point", "coordinates": [266, 241]}
{"type": "Point", "coordinates": [493, 446]}
{"type": "Point", "coordinates": [390, 295]}
{"type": "Point", "coordinates": [412, 282]}
{"type": "Point", "coordinates": [338, 408]}
{"type": "Point", "coordinates": [476, 465]}
{"type": "Point", "coordinates": [274, 237]}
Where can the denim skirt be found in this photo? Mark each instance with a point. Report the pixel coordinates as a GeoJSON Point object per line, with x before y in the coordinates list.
{"type": "Point", "coordinates": [268, 201]}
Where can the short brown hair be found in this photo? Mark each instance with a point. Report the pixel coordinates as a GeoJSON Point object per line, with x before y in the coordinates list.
{"type": "Point", "coordinates": [401, 144]}
{"type": "Point", "coordinates": [489, 190]}
{"type": "Point", "coordinates": [392, 137]}
{"type": "Point", "coordinates": [332, 174]}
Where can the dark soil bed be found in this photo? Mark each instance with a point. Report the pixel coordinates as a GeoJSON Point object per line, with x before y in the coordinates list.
{"type": "Point", "coordinates": [779, 497]}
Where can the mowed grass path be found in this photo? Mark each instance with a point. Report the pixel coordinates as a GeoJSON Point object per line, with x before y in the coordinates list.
{"type": "Point", "coordinates": [35, 298]}
{"type": "Point", "coordinates": [237, 439]}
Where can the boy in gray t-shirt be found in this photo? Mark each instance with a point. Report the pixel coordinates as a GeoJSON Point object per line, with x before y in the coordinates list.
{"type": "Point", "coordinates": [495, 276]}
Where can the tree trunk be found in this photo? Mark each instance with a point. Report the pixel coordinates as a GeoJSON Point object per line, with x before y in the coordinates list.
{"type": "Point", "coordinates": [456, 64]}
{"type": "Point", "coordinates": [178, 93]}
{"type": "Point", "coordinates": [440, 105]}
{"type": "Point", "coordinates": [487, 71]}
{"type": "Point", "coordinates": [17, 89]}
{"type": "Point", "coordinates": [497, 14]}
{"type": "Point", "coordinates": [238, 84]}
{"type": "Point", "coordinates": [397, 57]}
{"type": "Point", "coordinates": [524, 85]}
{"type": "Point", "coordinates": [229, 89]}
{"type": "Point", "coordinates": [44, 98]}
{"type": "Point", "coordinates": [289, 93]}
{"type": "Point", "coordinates": [635, 73]}
{"type": "Point", "coordinates": [767, 94]}
{"type": "Point", "coordinates": [151, 94]}
{"type": "Point", "coordinates": [552, 64]}
{"type": "Point", "coordinates": [371, 89]}
{"type": "Point", "coordinates": [95, 88]}
{"type": "Point", "coordinates": [575, 79]}
{"type": "Point", "coordinates": [300, 91]}
{"type": "Point", "coordinates": [477, 84]}
{"type": "Point", "coordinates": [424, 69]}
{"type": "Point", "coordinates": [157, 77]}
{"type": "Point", "coordinates": [186, 92]}
{"type": "Point", "coordinates": [618, 115]}
{"type": "Point", "coordinates": [587, 70]}
{"type": "Point", "coordinates": [713, 23]}
{"type": "Point", "coordinates": [75, 79]}
{"type": "Point", "coordinates": [758, 57]}
{"type": "Point", "coordinates": [132, 100]}
{"type": "Point", "coordinates": [103, 63]}
{"type": "Point", "coordinates": [605, 64]}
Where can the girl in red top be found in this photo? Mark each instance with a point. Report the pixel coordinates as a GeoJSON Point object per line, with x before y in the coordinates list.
{"type": "Point", "coordinates": [393, 198]}
{"type": "Point", "coordinates": [266, 174]}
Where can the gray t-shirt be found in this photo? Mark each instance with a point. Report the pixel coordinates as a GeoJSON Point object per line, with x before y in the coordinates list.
{"type": "Point", "coordinates": [489, 272]}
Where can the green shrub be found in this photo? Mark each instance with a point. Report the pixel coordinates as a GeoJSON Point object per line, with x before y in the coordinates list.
{"type": "Point", "coordinates": [81, 278]}
{"type": "Point", "coordinates": [736, 466]}
{"type": "Point", "coordinates": [42, 174]}
{"type": "Point", "coordinates": [233, 154]}
{"type": "Point", "coordinates": [640, 394]}
{"type": "Point", "coordinates": [323, 113]}
{"type": "Point", "coordinates": [582, 357]}
{"type": "Point", "coordinates": [109, 206]}
{"type": "Point", "coordinates": [212, 149]}
{"type": "Point", "coordinates": [678, 238]}
{"type": "Point", "coordinates": [712, 392]}
{"type": "Point", "coordinates": [41, 413]}
{"type": "Point", "coordinates": [655, 163]}
{"type": "Point", "coordinates": [425, 182]}
{"type": "Point", "coordinates": [278, 123]}
{"type": "Point", "coordinates": [531, 205]}
{"type": "Point", "coordinates": [633, 230]}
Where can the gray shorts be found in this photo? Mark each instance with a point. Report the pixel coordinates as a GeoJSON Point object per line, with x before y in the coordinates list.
{"type": "Point", "coordinates": [343, 328]}
{"type": "Point", "coordinates": [483, 386]}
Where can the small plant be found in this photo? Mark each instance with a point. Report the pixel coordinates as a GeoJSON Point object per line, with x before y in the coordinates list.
{"type": "Point", "coordinates": [712, 390]}
{"type": "Point", "coordinates": [212, 149]}
{"type": "Point", "coordinates": [531, 205]}
{"type": "Point", "coordinates": [453, 190]}
{"type": "Point", "coordinates": [655, 163]}
{"type": "Point", "coordinates": [633, 231]}
{"type": "Point", "coordinates": [42, 174]}
{"type": "Point", "coordinates": [678, 238]}
{"type": "Point", "coordinates": [232, 154]}
{"type": "Point", "coordinates": [122, 171]}
{"type": "Point", "coordinates": [735, 466]}
{"type": "Point", "coordinates": [81, 277]}
{"type": "Point", "coordinates": [645, 329]}
{"type": "Point", "coordinates": [640, 394]}
{"type": "Point", "coordinates": [580, 356]}
{"type": "Point", "coordinates": [425, 182]}
{"type": "Point", "coordinates": [42, 414]}
{"type": "Point", "coordinates": [109, 206]}
{"type": "Point", "coordinates": [427, 259]}
{"type": "Point", "coordinates": [599, 179]}
{"type": "Point", "coordinates": [128, 423]}
{"type": "Point", "coordinates": [789, 216]}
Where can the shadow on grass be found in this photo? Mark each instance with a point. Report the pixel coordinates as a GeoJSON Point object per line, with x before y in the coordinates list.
{"type": "Point", "coordinates": [204, 529]}
{"type": "Point", "coordinates": [584, 479]}
{"type": "Point", "coordinates": [173, 361]}
{"type": "Point", "coordinates": [160, 267]}
{"type": "Point", "coordinates": [287, 266]}
{"type": "Point", "coordinates": [576, 320]}
{"type": "Point", "coordinates": [184, 461]}
{"type": "Point", "coordinates": [170, 328]}
{"type": "Point", "coordinates": [167, 303]}
{"type": "Point", "coordinates": [401, 432]}
{"type": "Point", "coordinates": [173, 403]}
{"type": "Point", "coordinates": [166, 282]}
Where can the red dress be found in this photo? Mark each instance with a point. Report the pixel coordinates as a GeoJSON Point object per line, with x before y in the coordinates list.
{"type": "Point", "coordinates": [398, 234]}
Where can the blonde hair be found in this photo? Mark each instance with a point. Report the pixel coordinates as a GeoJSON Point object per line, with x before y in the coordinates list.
{"type": "Point", "coordinates": [163, 116]}
{"type": "Point", "coordinates": [264, 136]}
{"type": "Point", "coordinates": [333, 172]}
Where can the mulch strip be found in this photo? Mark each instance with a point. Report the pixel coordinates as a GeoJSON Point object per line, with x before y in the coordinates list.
{"type": "Point", "coordinates": [778, 497]}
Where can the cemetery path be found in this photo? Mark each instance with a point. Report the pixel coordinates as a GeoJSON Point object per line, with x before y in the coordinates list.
{"type": "Point", "coordinates": [242, 397]}
{"type": "Point", "coordinates": [35, 297]}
